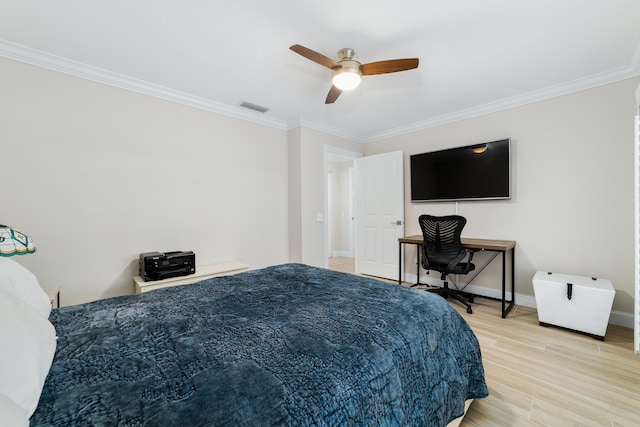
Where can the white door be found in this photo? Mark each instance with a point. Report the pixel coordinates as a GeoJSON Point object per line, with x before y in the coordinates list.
{"type": "Point", "coordinates": [380, 213]}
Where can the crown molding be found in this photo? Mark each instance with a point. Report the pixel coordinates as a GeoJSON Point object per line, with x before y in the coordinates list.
{"type": "Point", "coordinates": [84, 71]}
{"type": "Point", "coordinates": [516, 101]}
{"type": "Point", "coordinates": [87, 72]}
{"type": "Point", "coordinates": [633, 70]}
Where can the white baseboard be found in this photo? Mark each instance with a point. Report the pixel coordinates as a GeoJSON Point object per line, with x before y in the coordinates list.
{"type": "Point", "coordinates": [619, 318]}
{"type": "Point", "coordinates": [337, 254]}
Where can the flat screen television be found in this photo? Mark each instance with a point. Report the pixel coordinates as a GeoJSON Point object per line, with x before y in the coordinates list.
{"type": "Point", "coordinates": [473, 172]}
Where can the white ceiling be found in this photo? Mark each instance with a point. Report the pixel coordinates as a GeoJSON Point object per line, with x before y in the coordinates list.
{"type": "Point", "coordinates": [475, 56]}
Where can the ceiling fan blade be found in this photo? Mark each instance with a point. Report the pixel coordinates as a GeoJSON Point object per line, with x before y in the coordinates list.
{"type": "Point", "coordinates": [390, 66]}
{"type": "Point", "coordinates": [314, 56]}
{"type": "Point", "coordinates": [333, 94]}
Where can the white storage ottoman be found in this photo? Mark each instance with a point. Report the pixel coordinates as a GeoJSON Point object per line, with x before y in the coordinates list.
{"type": "Point", "coordinates": [578, 303]}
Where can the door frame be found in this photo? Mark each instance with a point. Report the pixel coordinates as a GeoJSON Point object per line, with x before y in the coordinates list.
{"type": "Point", "coordinates": [332, 153]}
{"type": "Point", "coordinates": [636, 315]}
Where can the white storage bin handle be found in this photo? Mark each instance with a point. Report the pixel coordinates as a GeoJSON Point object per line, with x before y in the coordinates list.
{"type": "Point", "coordinates": [569, 286]}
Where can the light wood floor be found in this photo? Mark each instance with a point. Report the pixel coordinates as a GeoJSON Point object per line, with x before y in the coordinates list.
{"type": "Point", "coordinates": [541, 376]}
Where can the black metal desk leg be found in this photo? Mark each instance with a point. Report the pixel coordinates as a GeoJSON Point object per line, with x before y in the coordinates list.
{"type": "Point", "coordinates": [399, 263]}
{"type": "Point", "coordinates": [504, 267]}
{"type": "Point", "coordinates": [512, 302]}
{"type": "Point", "coordinates": [417, 266]}
{"type": "Point", "coordinates": [513, 276]}
{"type": "Point", "coordinates": [418, 250]}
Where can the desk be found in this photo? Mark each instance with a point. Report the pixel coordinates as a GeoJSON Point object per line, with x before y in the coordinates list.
{"type": "Point", "coordinates": [497, 246]}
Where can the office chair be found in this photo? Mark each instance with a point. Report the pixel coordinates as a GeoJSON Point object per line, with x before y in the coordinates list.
{"type": "Point", "coordinates": [442, 251]}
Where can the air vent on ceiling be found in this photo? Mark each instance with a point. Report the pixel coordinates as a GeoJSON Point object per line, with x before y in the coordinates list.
{"type": "Point", "coordinates": [254, 107]}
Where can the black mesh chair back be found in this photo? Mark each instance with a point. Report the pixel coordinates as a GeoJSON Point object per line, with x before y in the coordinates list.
{"type": "Point", "coordinates": [442, 248]}
{"type": "Point", "coordinates": [443, 251]}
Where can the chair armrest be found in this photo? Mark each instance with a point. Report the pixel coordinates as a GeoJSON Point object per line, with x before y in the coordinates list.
{"type": "Point", "coordinates": [471, 252]}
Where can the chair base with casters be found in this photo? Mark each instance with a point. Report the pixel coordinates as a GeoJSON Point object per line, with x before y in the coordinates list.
{"type": "Point", "coordinates": [443, 251]}
{"type": "Point", "coordinates": [445, 291]}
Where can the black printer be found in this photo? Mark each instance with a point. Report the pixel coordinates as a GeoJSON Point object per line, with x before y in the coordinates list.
{"type": "Point", "coordinates": [163, 265]}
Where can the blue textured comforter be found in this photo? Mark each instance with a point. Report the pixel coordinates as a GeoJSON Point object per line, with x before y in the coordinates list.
{"type": "Point", "coordinates": [285, 345]}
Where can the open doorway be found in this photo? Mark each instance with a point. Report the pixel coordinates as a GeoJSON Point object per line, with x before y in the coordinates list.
{"type": "Point", "coordinates": [340, 206]}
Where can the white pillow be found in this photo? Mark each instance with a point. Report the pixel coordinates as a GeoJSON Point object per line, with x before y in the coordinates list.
{"type": "Point", "coordinates": [17, 280]}
{"type": "Point", "coordinates": [27, 343]}
{"type": "Point", "coordinates": [11, 414]}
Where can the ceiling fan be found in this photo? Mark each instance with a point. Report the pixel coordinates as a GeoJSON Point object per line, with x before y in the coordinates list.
{"type": "Point", "coordinates": [347, 72]}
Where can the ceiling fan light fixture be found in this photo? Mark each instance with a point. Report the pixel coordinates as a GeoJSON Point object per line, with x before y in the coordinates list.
{"type": "Point", "coordinates": [346, 78]}
{"type": "Point", "coordinates": [347, 73]}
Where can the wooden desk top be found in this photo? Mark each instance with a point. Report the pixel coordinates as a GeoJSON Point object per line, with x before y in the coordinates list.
{"type": "Point", "coordinates": [468, 242]}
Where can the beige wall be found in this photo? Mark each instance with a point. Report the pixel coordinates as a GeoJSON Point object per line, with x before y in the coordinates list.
{"type": "Point", "coordinates": [572, 200]}
{"type": "Point", "coordinates": [295, 195]}
{"type": "Point", "coordinates": [97, 175]}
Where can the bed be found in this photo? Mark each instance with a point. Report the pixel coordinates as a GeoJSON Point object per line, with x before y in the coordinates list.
{"type": "Point", "coordinates": [284, 345]}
